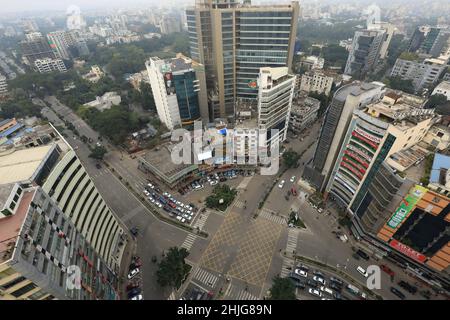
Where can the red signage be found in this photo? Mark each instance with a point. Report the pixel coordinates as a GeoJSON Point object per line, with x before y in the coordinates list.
{"type": "Point", "coordinates": [407, 251]}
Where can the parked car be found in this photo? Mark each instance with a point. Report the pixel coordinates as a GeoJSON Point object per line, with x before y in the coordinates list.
{"type": "Point", "coordinates": [362, 254]}
{"type": "Point", "coordinates": [301, 272]}
{"type": "Point", "coordinates": [362, 271]}
{"type": "Point", "coordinates": [337, 281]}
{"type": "Point", "coordinates": [281, 184]}
{"type": "Point", "coordinates": [408, 287]}
{"type": "Point", "coordinates": [132, 285]}
{"type": "Point", "coordinates": [133, 273]}
{"type": "Point", "coordinates": [138, 297]}
{"type": "Point", "coordinates": [319, 280]}
{"type": "Point", "coordinates": [398, 293]}
{"type": "Point", "coordinates": [315, 292]}
{"type": "Point", "coordinates": [387, 270]}
{"type": "Point", "coordinates": [292, 179]}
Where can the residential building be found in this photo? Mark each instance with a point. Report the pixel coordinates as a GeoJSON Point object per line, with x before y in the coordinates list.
{"type": "Point", "coordinates": [389, 30]}
{"type": "Point", "coordinates": [275, 94]}
{"type": "Point", "coordinates": [233, 40]}
{"type": "Point", "coordinates": [417, 38]}
{"type": "Point", "coordinates": [438, 137]}
{"type": "Point", "coordinates": [365, 52]}
{"type": "Point", "coordinates": [105, 102]}
{"type": "Point", "coordinates": [56, 169]}
{"type": "Point", "coordinates": [440, 174]}
{"type": "Point", "coordinates": [337, 119]}
{"type": "Point", "coordinates": [94, 75]}
{"type": "Point", "coordinates": [36, 47]}
{"type": "Point", "coordinates": [137, 78]}
{"type": "Point", "coordinates": [304, 112]}
{"type": "Point", "coordinates": [316, 81]}
{"type": "Point", "coordinates": [40, 246]}
{"type": "Point", "coordinates": [423, 73]}
{"type": "Point", "coordinates": [48, 65]}
{"type": "Point", "coordinates": [170, 24]}
{"type": "Point", "coordinates": [179, 90]}
{"type": "Point", "coordinates": [3, 86]}
{"type": "Point", "coordinates": [312, 62]}
{"type": "Point", "coordinates": [435, 41]}
{"type": "Point", "coordinates": [60, 42]}
{"type": "Point", "coordinates": [442, 88]}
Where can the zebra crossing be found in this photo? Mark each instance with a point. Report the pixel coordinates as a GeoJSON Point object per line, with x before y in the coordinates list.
{"type": "Point", "coordinates": [239, 204]}
{"type": "Point", "coordinates": [272, 216]}
{"type": "Point", "coordinates": [172, 296]}
{"type": "Point", "coordinates": [100, 173]}
{"type": "Point", "coordinates": [205, 277]}
{"type": "Point", "coordinates": [234, 293]}
{"type": "Point", "coordinates": [201, 220]}
{"type": "Point", "coordinates": [291, 244]}
{"type": "Point", "coordinates": [286, 267]}
{"type": "Point", "coordinates": [189, 241]}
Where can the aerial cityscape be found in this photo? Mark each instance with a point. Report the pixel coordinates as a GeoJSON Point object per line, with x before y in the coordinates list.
{"type": "Point", "coordinates": [225, 150]}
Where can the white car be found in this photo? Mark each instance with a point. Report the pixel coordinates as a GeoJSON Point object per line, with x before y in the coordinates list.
{"type": "Point", "coordinates": [146, 192]}
{"type": "Point", "coordinates": [183, 220]}
{"type": "Point", "coordinates": [319, 279]}
{"type": "Point", "coordinates": [189, 218]}
{"type": "Point", "coordinates": [362, 271]}
{"type": "Point", "coordinates": [292, 179]}
{"type": "Point", "coordinates": [138, 297]}
{"type": "Point", "coordinates": [301, 273]}
{"type": "Point", "coordinates": [179, 218]}
{"type": "Point", "coordinates": [133, 273]}
{"type": "Point", "coordinates": [179, 203]}
{"type": "Point", "coordinates": [152, 200]}
{"type": "Point", "coordinates": [213, 182]}
{"type": "Point", "coordinates": [165, 194]}
{"type": "Point", "coordinates": [189, 208]}
{"type": "Point", "coordinates": [281, 184]}
{"type": "Point", "coordinates": [159, 205]}
{"type": "Point", "coordinates": [151, 186]}
{"type": "Point", "coordinates": [315, 292]}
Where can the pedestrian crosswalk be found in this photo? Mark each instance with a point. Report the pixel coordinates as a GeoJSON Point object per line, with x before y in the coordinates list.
{"type": "Point", "coordinates": [291, 245]}
{"type": "Point", "coordinates": [189, 241]}
{"type": "Point", "coordinates": [239, 204]}
{"type": "Point", "coordinates": [201, 220]}
{"type": "Point", "coordinates": [272, 216]}
{"type": "Point", "coordinates": [235, 293]}
{"type": "Point", "coordinates": [287, 267]}
{"type": "Point", "coordinates": [172, 296]}
{"type": "Point", "coordinates": [205, 277]}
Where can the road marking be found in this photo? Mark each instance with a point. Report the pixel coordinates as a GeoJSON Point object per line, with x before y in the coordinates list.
{"type": "Point", "coordinates": [287, 266]}
{"type": "Point", "coordinates": [172, 296]}
{"type": "Point", "coordinates": [235, 293]}
{"type": "Point", "coordinates": [189, 241]}
{"type": "Point", "coordinates": [271, 216]}
{"type": "Point", "coordinates": [244, 183]}
{"type": "Point", "coordinates": [239, 204]}
{"type": "Point", "coordinates": [205, 277]}
{"type": "Point", "coordinates": [291, 244]}
{"type": "Point", "coordinates": [201, 220]}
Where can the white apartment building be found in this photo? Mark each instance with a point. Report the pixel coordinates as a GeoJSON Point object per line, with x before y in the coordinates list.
{"type": "Point", "coordinates": [316, 81]}
{"type": "Point", "coordinates": [422, 73]}
{"type": "Point", "coordinates": [442, 88]}
{"type": "Point", "coordinates": [49, 65]}
{"type": "Point", "coordinates": [60, 41]}
{"type": "Point", "coordinates": [275, 94]}
{"type": "Point", "coordinates": [3, 85]}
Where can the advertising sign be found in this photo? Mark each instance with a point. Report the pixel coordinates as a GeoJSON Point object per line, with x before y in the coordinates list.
{"type": "Point", "coordinates": [413, 254]}
{"type": "Point", "coordinates": [408, 203]}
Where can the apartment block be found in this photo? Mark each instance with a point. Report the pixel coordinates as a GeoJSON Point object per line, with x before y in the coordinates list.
{"type": "Point", "coordinates": [48, 65]}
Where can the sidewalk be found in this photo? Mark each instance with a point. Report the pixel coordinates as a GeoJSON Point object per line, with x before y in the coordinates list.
{"type": "Point", "coordinates": [129, 251]}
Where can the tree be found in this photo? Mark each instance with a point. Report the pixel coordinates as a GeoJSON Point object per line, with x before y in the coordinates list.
{"type": "Point", "coordinates": [282, 289]}
{"type": "Point", "coordinates": [290, 158]}
{"type": "Point", "coordinates": [172, 269]}
{"type": "Point", "coordinates": [323, 98]}
{"type": "Point", "coordinates": [398, 83]}
{"type": "Point", "coordinates": [221, 197]}
{"type": "Point", "coordinates": [147, 100]}
{"type": "Point", "coordinates": [435, 101]}
{"type": "Point", "coordinates": [98, 152]}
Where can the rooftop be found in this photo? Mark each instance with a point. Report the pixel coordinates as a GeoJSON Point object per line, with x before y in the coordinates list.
{"type": "Point", "coordinates": [440, 169]}
{"type": "Point", "coordinates": [21, 165]}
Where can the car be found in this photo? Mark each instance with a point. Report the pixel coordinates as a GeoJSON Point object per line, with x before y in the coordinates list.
{"type": "Point", "coordinates": [152, 200]}
{"type": "Point", "coordinates": [362, 271]}
{"type": "Point", "coordinates": [326, 290]}
{"type": "Point", "coordinates": [319, 280]}
{"type": "Point", "coordinates": [301, 272]}
{"type": "Point", "coordinates": [408, 287]}
{"type": "Point", "coordinates": [138, 297]}
{"type": "Point", "coordinates": [315, 292]}
{"type": "Point", "coordinates": [132, 285]}
{"type": "Point", "coordinates": [337, 281]}
{"type": "Point", "coordinates": [319, 274]}
{"type": "Point", "coordinates": [189, 208]}
{"type": "Point", "coordinates": [165, 194]}
{"type": "Point", "coordinates": [178, 217]}
{"type": "Point", "coordinates": [159, 205]}
{"type": "Point", "coordinates": [398, 293]}
{"type": "Point", "coordinates": [222, 179]}
{"type": "Point", "coordinates": [362, 254]}
{"type": "Point", "coordinates": [134, 231]}
{"type": "Point", "coordinates": [281, 184]}
{"type": "Point", "coordinates": [292, 179]}
{"type": "Point", "coordinates": [335, 286]}
{"type": "Point", "coordinates": [98, 166]}
{"type": "Point", "coordinates": [303, 267]}
{"type": "Point", "coordinates": [151, 186]}
{"type": "Point", "coordinates": [133, 273]}
{"type": "Point", "coordinates": [337, 296]}
{"type": "Point", "coordinates": [388, 270]}
{"type": "Point", "coordinates": [213, 182]}
{"type": "Point", "coordinates": [311, 283]}
{"type": "Point", "coordinates": [188, 218]}
{"type": "Point", "coordinates": [183, 220]}
{"type": "Point", "coordinates": [134, 292]}
{"type": "Point", "coordinates": [146, 192]}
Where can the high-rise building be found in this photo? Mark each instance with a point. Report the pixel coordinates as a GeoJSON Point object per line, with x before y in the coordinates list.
{"type": "Point", "coordinates": [338, 117]}
{"type": "Point", "coordinates": [435, 41]}
{"type": "Point", "coordinates": [48, 65]}
{"type": "Point", "coordinates": [275, 94]}
{"type": "Point", "coordinates": [179, 90]}
{"type": "Point", "coordinates": [422, 72]}
{"type": "Point", "coordinates": [417, 38]}
{"type": "Point", "coordinates": [56, 169]}
{"type": "Point", "coordinates": [36, 47]}
{"type": "Point", "coordinates": [60, 42]}
{"type": "Point", "coordinates": [169, 24]}
{"type": "Point", "coordinates": [234, 39]}
{"type": "Point", "coordinates": [365, 52]}
{"type": "Point", "coordinates": [3, 85]}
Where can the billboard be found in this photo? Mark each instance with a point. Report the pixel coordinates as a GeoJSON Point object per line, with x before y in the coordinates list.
{"type": "Point", "coordinates": [413, 254]}
{"type": "Point", "coordinates": [168, 81]}
{"type": "Point", "coordinates": [406, 206]}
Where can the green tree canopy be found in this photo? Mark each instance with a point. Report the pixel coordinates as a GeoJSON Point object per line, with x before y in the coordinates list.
{"type": "Point", "coordinates": [98, 152]}
{"type": "Point", "coordinates": [435, 101]}
{"type": "Point", "coordinates": [172, 269]}
{"type": "Point", "coordinates": [290, 158]}
{"type": "Point", "coordinates": [282, 289]}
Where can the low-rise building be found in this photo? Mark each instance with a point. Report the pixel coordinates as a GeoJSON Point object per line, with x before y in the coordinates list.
{"type": "Point", "coordinates": [105, 102]}
{"type": "Point", "coordinates": [315, 81]}
{"type": "Point", "coordinates": [303, 113]}
{"type": "Point", "coordinates": [94, 75]}
{"type": "Point", "coordinates": [137, 78]}
{"type": "Point", "coordinates": [438, 137]}
{"type": "Point", "coordinates": [48, 65]}
{"type": "Point", "coordinates": [442, 88]}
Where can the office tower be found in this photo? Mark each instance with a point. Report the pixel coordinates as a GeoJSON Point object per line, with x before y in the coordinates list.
{"type": "Point", "coordinates": [422, 72]}
{"type": "Point", "coordinates": [389, 30]}
{"type": "Point", "coordinates": [365, 52]}
{"type": "Point", "coordinates": [435, 41]}
{"type": "Point", "coordinates": [417, 39]}
{"type": "Point", "coordinates": [40, 246]}
{"type": "Point", "coordinates": [179, 90]}
{"type": "Point", "coordinates": [375, 132]}
{"type": "Point", "coordinates": [169, 24]}
{"type": "Point", "coordinates": [48, 65]}
{"type": "Point", "coordinates": [234, 40]}
{"type": "Point", "coordinates": [275, 93]}
{"type": "Point", "coordinates": [58, 171]}
{"type": "Point", "coordinates": [60, 42]}
{"type": "Point", "coordinates": [36, 47]}
{"type": "Point", "coordinates": [337, 119]}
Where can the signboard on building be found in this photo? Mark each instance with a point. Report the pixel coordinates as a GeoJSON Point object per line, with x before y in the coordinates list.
{"type": "Point", "coordinates": [413, 254]}
{"type": "Point", "coordinates": [407, 204]}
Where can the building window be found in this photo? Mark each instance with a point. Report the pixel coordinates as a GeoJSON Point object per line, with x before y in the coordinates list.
{"type": "Point", "coordinates": [6, 273]}
{"type": "Point", "coordinates": [23, 290]}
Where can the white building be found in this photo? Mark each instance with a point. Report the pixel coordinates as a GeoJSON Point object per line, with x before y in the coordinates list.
{"type": "Point", "coordinates": [275, 94]}
{"type": "Point", "coordinates": [49, 65]}
{"type": "Point", "coordinates": [316, 81]}
{"type": "Point", "coordinates": [3, 85]}
{"type": "Point", "coordinates": [60, 41]}
{"type": "Point", "coordinates": [303, 113]}
{"type": "Point", "coordinates": [105, 102]}
{"type": "Point", "coordinates": [443, 88]}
